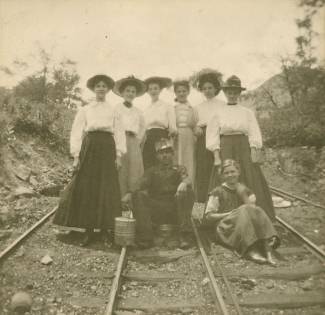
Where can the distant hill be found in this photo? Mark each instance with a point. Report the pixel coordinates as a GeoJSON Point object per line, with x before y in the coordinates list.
{"type": "Point", "coordinates": [271, 94]}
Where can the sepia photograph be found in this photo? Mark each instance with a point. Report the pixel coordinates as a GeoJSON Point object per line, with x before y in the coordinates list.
{"type": "Point", "coordinates": [162, 157]}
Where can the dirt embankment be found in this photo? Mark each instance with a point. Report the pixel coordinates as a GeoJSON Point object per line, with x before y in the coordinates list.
{"type": "Point", "coordinates": [31, 177]}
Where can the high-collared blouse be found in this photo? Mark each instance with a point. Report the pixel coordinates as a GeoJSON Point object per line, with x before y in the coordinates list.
{"type": "Point", "coordinates": [233, 119]}
{"type": "Point", "coordinates": [207, 109]}
{"type": "Point", "coordinates": [132, 119]}
{"type": "Point", "coordinates": [97, 116]}
{"type": "Point", "coordinates": [186, 115]}
{"type": "Point", "coordinates": [160, 115]}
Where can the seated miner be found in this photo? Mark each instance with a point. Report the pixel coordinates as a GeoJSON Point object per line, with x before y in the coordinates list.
{"type": "Point", "coordinates": [164, 195]}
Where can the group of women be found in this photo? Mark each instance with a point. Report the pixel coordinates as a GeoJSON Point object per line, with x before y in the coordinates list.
{"type": "Point", "coordinates": [112, 147]}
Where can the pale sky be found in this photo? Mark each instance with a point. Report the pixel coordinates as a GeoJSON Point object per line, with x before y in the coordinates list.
{"type": "Point", "coordinates": [153, 37]}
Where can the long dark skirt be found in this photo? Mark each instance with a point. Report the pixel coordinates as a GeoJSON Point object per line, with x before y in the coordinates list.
{"type": "Point", "coordinates": [204, 165]}
{"type": "Point", "coordinates": [243, 227]}
{"type": "Point", "coordinates": [236, 147]}
{"type": "Point", "coordinates": [92, 198]}
{"type": "Point", "coordinates": [149, 152]}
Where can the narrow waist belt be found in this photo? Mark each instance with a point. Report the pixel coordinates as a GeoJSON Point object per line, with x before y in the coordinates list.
{"type": "Point", "coordinates": [233, 134]}
{"type": "Point", "coordinates": [100, 131]}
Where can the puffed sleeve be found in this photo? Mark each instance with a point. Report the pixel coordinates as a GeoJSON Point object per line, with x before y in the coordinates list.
{"type": "Point", "coordinates": [119, 134]}
{"type": "Point", "coordinates": [213, 134]}
{"type": "Point", "coordinates": [77, 132]}
{"type": "Point", "coordinates": [142, 126]}
{"type": "Point", "coordinates": [254, 131]}
{"type": "Point", "coordinates": [171, 119]}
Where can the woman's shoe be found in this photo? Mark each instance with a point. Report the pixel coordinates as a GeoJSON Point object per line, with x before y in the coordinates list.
{"type": "Point", "coordinates": [87, 239]}
{"type": "Point", "coordinates": [256, 257]}
{"type": "Point", "coordinates": [270, 259]}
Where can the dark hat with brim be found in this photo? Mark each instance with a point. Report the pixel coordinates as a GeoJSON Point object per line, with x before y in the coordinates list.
{"type": "Point", "coordinates": [121, 84]}
{"type": "Point", "coordinates": [163, 82]}
{"type": "Point", "coordinates": [164, 144]}
{"type": "Point", "coordinates": [98, 78]}
{"type": "Point", "coordinates": [233, 82]}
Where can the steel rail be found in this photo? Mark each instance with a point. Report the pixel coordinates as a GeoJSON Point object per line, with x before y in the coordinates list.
{"type": "Point", "coordinates": [280, 191]}
{"type": "Point", "coordinates": [217, 291]}
{"type": "Point", "coordinates": [110, 308]}
{"type": "Point", "coordinates": [310, 245]}
{"type": "Point", "coordinates": [27, 233]}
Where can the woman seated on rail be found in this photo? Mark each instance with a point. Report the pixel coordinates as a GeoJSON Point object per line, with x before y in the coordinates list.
{"type": "Point", "coordinates": [239, 223]}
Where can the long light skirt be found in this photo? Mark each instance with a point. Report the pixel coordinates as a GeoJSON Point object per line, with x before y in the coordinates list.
{"type": "Point", "coordinates": [132, 165]}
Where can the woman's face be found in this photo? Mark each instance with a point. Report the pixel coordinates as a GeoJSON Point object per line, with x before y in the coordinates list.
{"type": "Point", "coordinates": [154, 90]}
{"type": "Point", "coordinates": [208, 90]}
{"type": "Point", "coordinates": [101, 89]}
{"type": "Point", "coordinates": [232, 95]}
{"type": "Point", "coordinates": [129, 93]}
{"type": "Point", "coordinates": [182, 93]}
{"type": "Point", "coordinates": [231, 174]}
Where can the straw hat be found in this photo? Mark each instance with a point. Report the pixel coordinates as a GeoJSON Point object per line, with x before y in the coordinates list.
{"type": "Point", "coordinates": [98, 78]}
{"type": "Point", "coordinates": [130, 80]}
{"type": "Point", "coordinates": [163, 82]}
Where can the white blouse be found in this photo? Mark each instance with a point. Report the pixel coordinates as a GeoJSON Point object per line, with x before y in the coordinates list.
{"type": "Point", "coordinates": [207, 109]}
{"type": "Point", "coordinates": [97, 116]}
{"type": "Point", "coordinates": [233, 119]}
{"type": "Point", "coordinates": [160, 115]}
{"type": "Point", "coordinates": [132, 119]}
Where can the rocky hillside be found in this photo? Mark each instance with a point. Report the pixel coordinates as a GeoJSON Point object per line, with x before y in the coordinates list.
{"type": "Point", "coordinates": [272, 94]}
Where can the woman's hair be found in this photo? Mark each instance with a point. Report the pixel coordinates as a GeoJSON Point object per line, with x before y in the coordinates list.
{"type": "Point", "coordinates": [211, 78]}
{"type": "Point", "coordinates": [229, 162]}
{"type": "Point", "coordinates": [183, 83]}
{"type": "Point", "coordinates": [126, 83]}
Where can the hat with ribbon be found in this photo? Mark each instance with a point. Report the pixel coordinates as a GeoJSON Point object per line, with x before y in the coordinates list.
{"type": "Point", "coordinates": [233, 82]}
{"type": "Point", "coordinates": [163, 144]}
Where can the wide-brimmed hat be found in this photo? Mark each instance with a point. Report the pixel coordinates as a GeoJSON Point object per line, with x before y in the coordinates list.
{"type": "Point", "coordinates": [98, 78]}
{"type": "Point", "coordinates": [130, 80]}
{"type": "Point", "coordinates": [233, 82]}
{"type": "Point", "coordinates": [164, 144]}
{"type": "Point", "coordinates": [163, 82]}
{"type": "Point", "coordinates": [279, 202]}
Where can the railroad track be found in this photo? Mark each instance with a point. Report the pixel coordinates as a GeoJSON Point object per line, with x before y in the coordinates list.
{"type": "Point", "coordinates": [216, 305]}
{"type": "Point", "coordinates": [298, 256]}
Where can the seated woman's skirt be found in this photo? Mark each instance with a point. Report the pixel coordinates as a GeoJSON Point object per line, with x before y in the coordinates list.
{"type": "Point", "coordinates": [243, 227]}
{"type": "Point", "coordinates": [149, 151]}
{"type": "Point", "coordinates": [92, 199]}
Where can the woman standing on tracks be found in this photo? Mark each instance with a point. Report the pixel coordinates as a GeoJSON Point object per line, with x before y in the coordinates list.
{"type": "Point", "coordinates": [92, 199]}
{"type": "Point", "coordinates": [233, 133]}
{"type": "Point", "coordinates": [159, 119]}
{"type": "Point", "coordinates": [133, 123]}
{"type": "Point", "coordinates": [207, 82]}
{"type": "Point", "coordinates": [240, 224]}
{"type": "Point", "coordinates": [186, 122]}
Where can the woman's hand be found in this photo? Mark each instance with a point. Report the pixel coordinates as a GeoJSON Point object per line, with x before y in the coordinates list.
{"type": "Point", "coordinates": [182, 188]}
{"type": "Point", "coordinates": [256, 155]}
{"type": "Point", "coordinates": [75, 164]}
{"type": "Point", "coordinates": [217, 160]}
{"type": "Point", "coordinates": [118, 163]}
{"type": "Point", "coordinates": [126, 200]}
{"type": "Point", "coordinates": [198, 131]}
{"type": "Point", "coordinates": [172, 133]}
